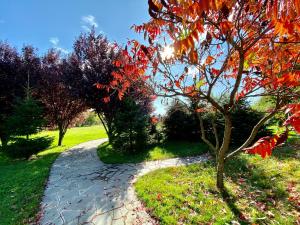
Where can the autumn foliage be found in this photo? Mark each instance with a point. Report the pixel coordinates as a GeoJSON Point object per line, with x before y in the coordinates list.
{"type": "Point", "coordinates": [241, 49]}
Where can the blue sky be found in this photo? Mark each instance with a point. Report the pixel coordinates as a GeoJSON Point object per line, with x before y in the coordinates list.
{"type": "Point", "coordinates": [56, 23]}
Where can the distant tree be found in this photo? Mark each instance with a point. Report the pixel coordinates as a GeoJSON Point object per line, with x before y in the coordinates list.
{"type": "Point", "coordinates": [61, 107]}
{"type": "Point", "coordinates": [31, 68]}
{"type": "Point", "coordinates": [10, 85]}
{"type": "Point", "coordinates": [93, 57]}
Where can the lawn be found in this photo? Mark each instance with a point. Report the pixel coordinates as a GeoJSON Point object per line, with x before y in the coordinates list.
{"type": "Point", "coordinates": [22, 182]}
{"type": "Point", "coordinates": [164, 151]}
{"type": "Point", "coordinates": [261, 191]}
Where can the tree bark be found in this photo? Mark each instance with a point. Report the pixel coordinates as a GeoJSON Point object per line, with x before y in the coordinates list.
{"type": "Point", "coordinates": [222, 152]}
{"type": "Point", "coordinates": [61, 135]}
{"type": "Point", "coordinates": [220, 173]}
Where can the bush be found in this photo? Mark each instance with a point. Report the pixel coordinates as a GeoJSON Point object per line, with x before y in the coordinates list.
{"type": "Point", "coordinates": [243, 120]}
{"type": "Point", "coordinates": [129, 128]}
{"type": "Point", "coordinates": [181, 124]}
{"type": "Point", "coordinates": [24, 148]}
{"type": "Point", "coordinates": [155, 134]}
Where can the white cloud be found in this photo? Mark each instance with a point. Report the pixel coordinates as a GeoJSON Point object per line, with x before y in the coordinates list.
{"type": "Point", "coordinates": [62, 50]}
{"type": "Point", "coordinates": [88, 22]}
{"type": "Point", "coordinates": [55, 43]}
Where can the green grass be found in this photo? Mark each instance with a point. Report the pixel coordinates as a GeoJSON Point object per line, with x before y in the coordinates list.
{"type": "Point", "coordinates": [261, 191]}
{"type": "Point", "coordinates": [169, 150]}
{"type": "Point", "coordinates": [22, 182]}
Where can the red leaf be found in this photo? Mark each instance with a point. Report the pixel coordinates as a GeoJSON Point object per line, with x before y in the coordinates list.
{"type": "Point", "coordinates": [200, 110]}
{"type": "Point", "coordinates": [225, 26]}
{"type": "Point", "coordinates": [177, 83]}
{"type": "Point", "coordinates": [158, 197]}
{"type": "Point", "coordinates": [106, 99]}
{"type": "Point", "coordinates": [120, 95]}
{"type": "Point", "coordinates": [117, 63]}
{"type": "Point", "coordinates": [153, 97]}
{"type": "Point", "coordinates": [294, 119]}
{"type": "Point", "coordinates": [99, 86]}
{"type": "Point", "coordinates": [154, 120]}
{"type": "Point", "coordinates": [209, 59]}
{"type": "Point", "coordinates": [263, 146]}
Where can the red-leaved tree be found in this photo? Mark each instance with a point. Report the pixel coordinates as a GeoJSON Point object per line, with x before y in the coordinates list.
{"type": "Point", "coordinates": [213, 50]}
{"type": "Point", "coordinates": [61, 107]}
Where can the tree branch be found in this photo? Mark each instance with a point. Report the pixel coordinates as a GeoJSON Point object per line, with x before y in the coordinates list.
{"type": "Point", "coordinates": [252, 135]}
{"type": "Point", "coordinates": [203, 136]}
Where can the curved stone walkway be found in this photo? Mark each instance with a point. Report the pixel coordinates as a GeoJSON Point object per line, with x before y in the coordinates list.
{"type": "Point", "coordinates": [83, 190]}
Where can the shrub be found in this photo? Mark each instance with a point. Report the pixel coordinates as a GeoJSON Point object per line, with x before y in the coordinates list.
{"type": "Point", "coordinates": [181, 124]}
{"type": "Point", "coordinates": [155, 134]}
{"type": "Point", "coordinates": [27, 118]}
{"type": "Point", "coordinates": [244, 119]}
{"type": "Point", "coordinates": [129, 127]}
{"type": "Point", "coordinates": [24, 148]}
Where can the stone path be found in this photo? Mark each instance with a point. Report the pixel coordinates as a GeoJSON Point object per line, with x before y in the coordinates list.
{"type": "Point", "coordinates": [83, 190]}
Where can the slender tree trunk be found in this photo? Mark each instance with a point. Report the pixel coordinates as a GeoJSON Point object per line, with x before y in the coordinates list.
{"type": "Point", "coordinates": [107, 129]}
{"type": "Point", "coordinates": [220, 173]}
{"type": "Point", "coordinates": [61, 135]}
{"type": "Point", "coordinates": [203, 136]}
{"type": "Point", "coordinates": [222, 153]}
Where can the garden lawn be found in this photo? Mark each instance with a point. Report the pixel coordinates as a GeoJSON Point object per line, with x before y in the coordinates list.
{"type": "Point", "coordinates": [165, 151]}
{"type": "Point", "coordinates": [22, 182]}
{"type": "Point", "coordinates": [262, 191]}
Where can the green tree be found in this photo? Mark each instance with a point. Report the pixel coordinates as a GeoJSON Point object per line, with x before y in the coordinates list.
{"type": "Point", "coordinates": [27, 118]}
{"type": "Point", "coordinates": [130, 127]}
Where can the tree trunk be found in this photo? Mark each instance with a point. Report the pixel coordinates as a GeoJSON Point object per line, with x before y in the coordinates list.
{"type": "Point", "coordinates": [61, 135]}
{"type": "Point", "coordinates": [106, 127]}
{"type": "Point", "coordinates": [222, 153]}
{"type": "Point", "coordinates": [220, 173]}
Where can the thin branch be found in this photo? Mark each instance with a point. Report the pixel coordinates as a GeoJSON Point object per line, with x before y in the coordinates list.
{"type": "Point", "coordinates": [252, 135]}
{"type": "Point", "coordinates": [203, 136]}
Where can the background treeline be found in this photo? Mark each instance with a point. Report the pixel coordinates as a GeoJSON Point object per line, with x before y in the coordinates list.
{"type": "Point", "coordinates": [56, 91]}
{"type": "Point", "coordinates": [181, 123]}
